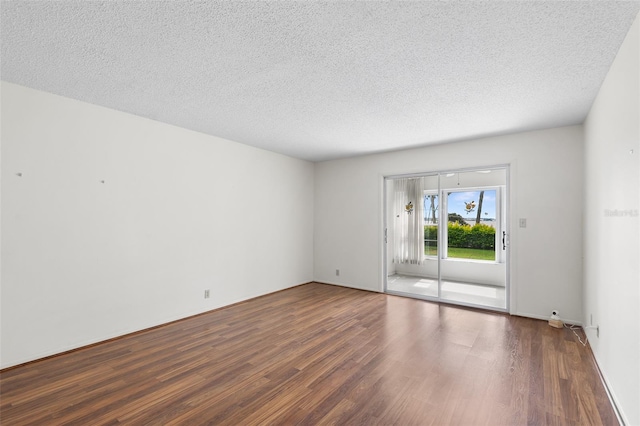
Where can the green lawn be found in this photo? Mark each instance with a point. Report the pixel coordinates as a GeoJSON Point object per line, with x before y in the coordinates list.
{"type": "Point", "coordinates": [463, 253]}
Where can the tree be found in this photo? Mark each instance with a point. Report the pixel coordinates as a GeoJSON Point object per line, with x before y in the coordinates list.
{"type": "Point", "coordinates": [456, 218]}
{"type": "Point", "coordinates": [432, 208]}
{"type": "Point", "coordinates": [479, 208]}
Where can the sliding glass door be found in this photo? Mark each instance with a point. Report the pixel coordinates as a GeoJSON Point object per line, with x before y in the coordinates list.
{"type": "Point", "coordinates": [458, 219]}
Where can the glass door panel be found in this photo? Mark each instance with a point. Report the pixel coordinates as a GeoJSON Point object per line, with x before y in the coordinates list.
{"type": "Point", "coordinates": [459, 220]}
{"type": "Point", "coordinates": [472, 265]}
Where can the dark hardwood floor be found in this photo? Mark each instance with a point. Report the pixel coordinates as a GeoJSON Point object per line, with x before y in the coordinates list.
{"type": "Point", "coordinates": [319, 354]}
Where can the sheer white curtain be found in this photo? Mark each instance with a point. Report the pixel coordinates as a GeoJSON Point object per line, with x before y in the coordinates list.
{"type": "Point", "coordinates": [408, 220]}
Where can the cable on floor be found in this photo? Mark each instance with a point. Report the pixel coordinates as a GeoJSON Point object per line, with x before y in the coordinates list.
{"type": "Point", "coordinates": [574, 328]}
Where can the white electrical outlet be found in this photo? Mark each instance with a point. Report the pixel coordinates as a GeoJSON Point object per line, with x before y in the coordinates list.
{"type": "Point", "coordinates": [206, 294]}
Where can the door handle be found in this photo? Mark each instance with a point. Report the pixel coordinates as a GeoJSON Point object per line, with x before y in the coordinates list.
{"type": "Point", "coordinates": [504, 236]}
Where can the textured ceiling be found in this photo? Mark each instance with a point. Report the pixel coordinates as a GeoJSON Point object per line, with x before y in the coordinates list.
{"type": "Point", "coordinates": [322, 80]}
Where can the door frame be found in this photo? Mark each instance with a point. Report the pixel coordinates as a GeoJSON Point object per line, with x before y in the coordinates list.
{"type": "Point", "coordinates": [507, 227]}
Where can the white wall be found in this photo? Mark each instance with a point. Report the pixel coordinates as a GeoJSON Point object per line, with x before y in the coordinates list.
{"type": "Point", "coordinates": [546, 187]}
{"type": "Point", "coordinates": [611, 249]}
{"type": "Point", "coordinates": [178, 212]}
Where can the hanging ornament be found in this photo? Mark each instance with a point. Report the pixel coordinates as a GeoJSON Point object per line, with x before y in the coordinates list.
{"type": "Point", "coordinates": [469, 207]}
{"type": "Point", "coordinates": [409, 208]}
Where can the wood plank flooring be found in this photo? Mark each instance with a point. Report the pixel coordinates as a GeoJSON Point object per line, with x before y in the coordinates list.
{"type": "Point", "coordinates": [319, 354]}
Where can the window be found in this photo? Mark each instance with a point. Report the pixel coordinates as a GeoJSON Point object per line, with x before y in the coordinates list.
{"type": "Point", "coordinates": [473, 228]}
{"type": "Point", "coordinates": [472, 221]}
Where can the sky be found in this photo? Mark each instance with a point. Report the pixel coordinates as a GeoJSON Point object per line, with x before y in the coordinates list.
{"type": "Point", "coordinates": [457, 202]}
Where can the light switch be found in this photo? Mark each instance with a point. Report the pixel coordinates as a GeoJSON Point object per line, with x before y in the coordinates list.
{"type": "Point", "coordinates": [523, 222]}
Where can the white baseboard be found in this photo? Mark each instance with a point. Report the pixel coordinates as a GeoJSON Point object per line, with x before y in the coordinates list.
{"type": "Point", "coordinates": [546, 318]}
{"type": "Point", "coordinates": [622, 418]}
{"type": "Point", "coordinates": [349, 286]}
